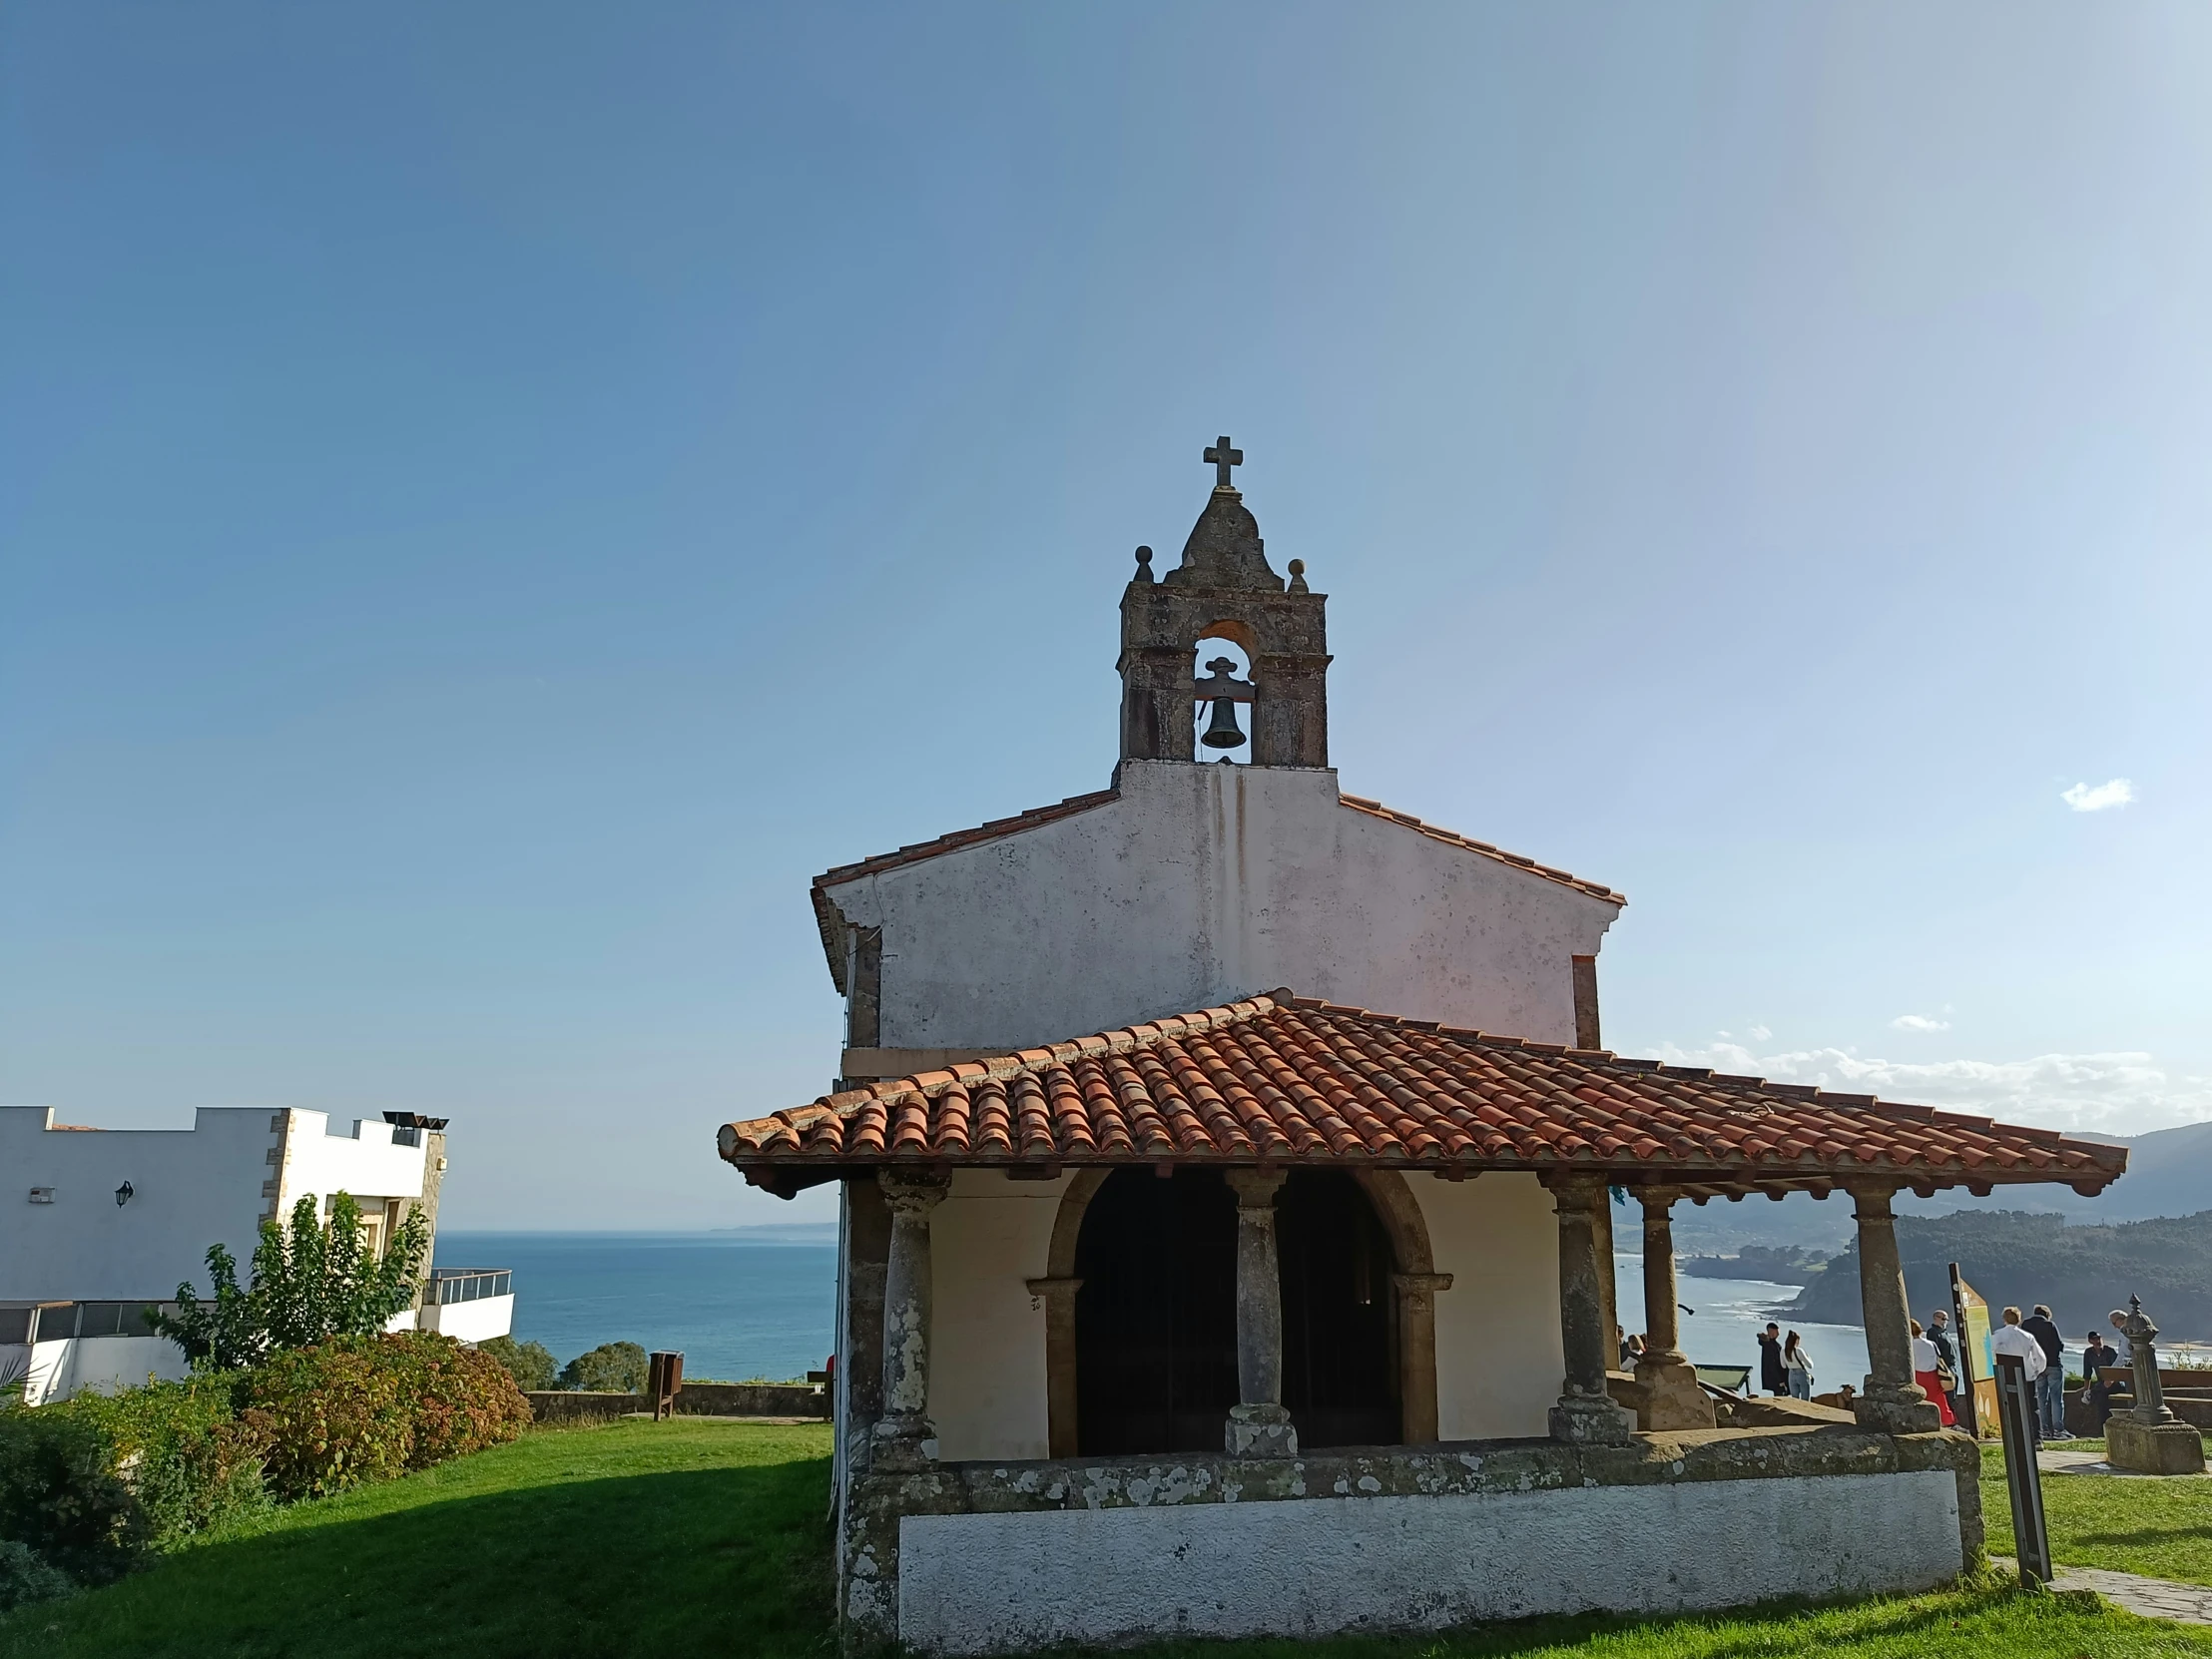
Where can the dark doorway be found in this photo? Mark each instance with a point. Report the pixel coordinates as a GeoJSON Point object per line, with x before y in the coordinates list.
{"type": "Point", "coordinates": [1156, 1319]}
{"type": "Point", "coordinates": [1340, 1314]}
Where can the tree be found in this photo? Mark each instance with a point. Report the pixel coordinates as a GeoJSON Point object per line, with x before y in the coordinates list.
{"type": "Point", "coordinates": [319, 1281]}
{"type": "Point", "coordinates": [531, 1364]}
{"type": "Point", "coordinates": [611, 1368]}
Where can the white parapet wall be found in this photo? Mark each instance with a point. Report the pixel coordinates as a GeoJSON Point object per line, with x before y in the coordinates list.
{"type": "Point", "coordinates": [997, 1584]}
{"type": "Point", "coordinates": [471, 1321]}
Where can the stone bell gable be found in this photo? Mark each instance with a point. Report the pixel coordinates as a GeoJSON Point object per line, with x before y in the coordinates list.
{"type": "Point", "coordinates": [1224, 588]}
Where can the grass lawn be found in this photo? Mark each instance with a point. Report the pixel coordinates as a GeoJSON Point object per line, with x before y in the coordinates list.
{"type": "Point", "coordinates": [2161, 1528]}
{"type": "Point", "coordinates": [664, 1539]}
{"type": "Point", "coordinates": [697, 1537]}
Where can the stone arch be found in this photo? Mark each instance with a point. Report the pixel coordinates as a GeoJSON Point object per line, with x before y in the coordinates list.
{"type": "Point", "coordinates": [1057, 1289]}
{"type": "Point", "coordinates": [1417, 1281]}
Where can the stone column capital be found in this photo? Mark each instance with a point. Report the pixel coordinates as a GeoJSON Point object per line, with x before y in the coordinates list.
{"type": "Point", "coordinates": [914, 1191]}
{"type": "Point", "coordinates": [1658, 1198]}
{"type": "Point", "coordinates": [1255, 1187]}
{"type": "Point", "coordinates": [1420, 1284]}
{"type": "Point", "coordinates": [1575, 1189]}
{"type": "Point", "coordinates": [1870, 1200]}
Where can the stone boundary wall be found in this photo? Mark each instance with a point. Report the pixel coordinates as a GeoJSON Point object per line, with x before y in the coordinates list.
{"type": "Point", "coordinates": [751, 1399]}
{"type": "Point", "coordinates": [560, 1408]}
{"type": "Point", "coordinates": [2194, 1408]}
{"type": "Point", "coordinates": [885, 1506]}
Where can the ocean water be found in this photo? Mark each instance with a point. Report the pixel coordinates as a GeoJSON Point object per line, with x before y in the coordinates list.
{"type": "Point", "coordinates": [737, 1305]}
{"type": "Point", "coordinates": [1724, 1331]}
{"type": "Point", "coordinates": [761, 1301]}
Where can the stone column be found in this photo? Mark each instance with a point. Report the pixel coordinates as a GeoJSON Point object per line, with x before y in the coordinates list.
{"type": "Point", "coordinates": [904, 1436]}
{"type": "Point", "coordinates": [1608, 1268]}
{"type": "Point", "coordinates": [1672, 1398]}
{"type": "Point", "coordinates": [1585, 1412]}
{"type": "Point", "coordinates": [1058, 1297]}
{"type": "Point", "coordinates": [1894, 1403]}
{"type": "Point", "coordinates": [1416, 1353]}
{"type": "Point", "coordinates": [1259, 1426]}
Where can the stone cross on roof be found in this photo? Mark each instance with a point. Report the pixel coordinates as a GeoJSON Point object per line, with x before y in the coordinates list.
{"type": "Point", "coordinates": [1223, 458]}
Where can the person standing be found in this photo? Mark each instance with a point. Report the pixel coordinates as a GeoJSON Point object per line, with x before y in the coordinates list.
{"type": "Point", "coordinates": [2008, 1338]}
{"type": "Point", "coordinates": [1774, 1376]}
{"type": "Point", "coordinates": [1925, 1373]}
{"type": "Point", "coordinates": [1947, 1369]}
{"type": "Point", "coordinates": [2097, 1354]}
{"type": "Point", "coordinates": [1796, 1367]}
{"type": "Point", "coordinates": [2051, 1387]}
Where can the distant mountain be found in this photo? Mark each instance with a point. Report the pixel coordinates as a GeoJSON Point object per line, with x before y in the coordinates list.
{"type": "Point", "coordinates": [2081, 1272]}
{"type": "Point", "coordinates": [2169, 1173]}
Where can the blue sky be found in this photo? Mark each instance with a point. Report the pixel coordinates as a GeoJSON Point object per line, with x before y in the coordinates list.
{"type": "Point", "coordinates": [493, 499]}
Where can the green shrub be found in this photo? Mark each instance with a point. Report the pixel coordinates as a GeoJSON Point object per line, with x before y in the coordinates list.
{"type": "Point", "coordinates": [531, 1364]}
{"type": "Point", "coordinates": [60, 1497]}
{"type": "Point", "coordinates": [181, 1448]}
{"type": "Point", "coordinates": [462, 1398]}
{"type": "Point", "coordinates": [25, 1578]}
{"type": "Point", "coordinates": [611, 1368]}
{"type": "Point", "coordinates": [359, 1408]}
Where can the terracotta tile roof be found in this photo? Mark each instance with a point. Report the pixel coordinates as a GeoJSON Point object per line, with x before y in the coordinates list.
{"type": "Point", "coordinates": [1376, 809]}
{"type": "Point", "coordinates": [1279, 1079]}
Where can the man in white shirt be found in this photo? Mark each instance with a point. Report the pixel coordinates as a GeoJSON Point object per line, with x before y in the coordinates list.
{"type": "Point", "coordinates": [2010, 1339]}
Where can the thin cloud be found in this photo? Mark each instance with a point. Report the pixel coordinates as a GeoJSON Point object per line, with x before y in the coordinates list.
{"type": "Point", "coordinates": [1919, 1022]}
{"type": "Point", "coordinates": [2086, 797]}
{"type": "Point", "coordinates": [2112, 1095]}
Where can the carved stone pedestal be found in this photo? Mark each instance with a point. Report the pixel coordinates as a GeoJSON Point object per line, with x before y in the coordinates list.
{"type": "Point", "coordinates": [2153, 1448]}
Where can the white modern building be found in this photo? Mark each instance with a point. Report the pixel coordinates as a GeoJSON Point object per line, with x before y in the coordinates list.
{"type": "Point", "coordinates": [100, 1226]}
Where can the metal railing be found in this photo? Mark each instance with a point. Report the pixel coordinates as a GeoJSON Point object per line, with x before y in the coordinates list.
{"type": "Point", "coordinates": [450, 1285]}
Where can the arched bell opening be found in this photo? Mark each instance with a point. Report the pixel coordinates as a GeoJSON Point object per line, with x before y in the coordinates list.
{"type": "Point", "coordinates": [1227, 703]}
{"type": "Point", "coordinates": [1341, 1337]}
{"type": "Point", "coordinates": [1156, 1315]}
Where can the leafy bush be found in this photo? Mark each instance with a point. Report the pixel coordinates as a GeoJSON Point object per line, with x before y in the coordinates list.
{"type": "Point", "coordinates": [61, 1499]}
{"type": "Point", "coordinates": [319, 1282]}
{"type": "Point", "coordinates": [182, 1449]}
{"type": "Point", "coordinates": [531, 1364]}
{"type": "Point", "coordinates": [25, 1578]}
{"type": "Point", "coordinates": [611, 1368]}
{"type": "Point", "coordinates": [359, 1408]}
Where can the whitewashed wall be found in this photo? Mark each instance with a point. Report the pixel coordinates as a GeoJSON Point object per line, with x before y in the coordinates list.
{"type": "Point", "coordinates": [1201, 884]}
{"type": "Point", "coordinates": [1008, 1582]}
{"type": "Point", "coordinates": [1500, 1362]}
{"type": "Point", "coordinates": [988, 1239]}
{"type": "Point", "coordinates": [191, 1187]}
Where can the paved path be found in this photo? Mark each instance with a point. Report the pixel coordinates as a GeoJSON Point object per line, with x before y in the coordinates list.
{"type": "Point", "coordinates": [2154, 1598]}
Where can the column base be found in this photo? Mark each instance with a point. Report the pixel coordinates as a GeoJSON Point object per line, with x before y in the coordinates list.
{"type": "Point", "coordinates": [1672, 1398]}
{"type": "Point", "coordinates": [1588, 1419]}
{"type": "Point", "coordinates": [1889, 1414]}
{"type": "Point", "coordinates": [1260, 1431]}
{"type": "Point", "coordinates": [898, 1445]}
{"type": "Point", "coordinates": [2172, 1447]}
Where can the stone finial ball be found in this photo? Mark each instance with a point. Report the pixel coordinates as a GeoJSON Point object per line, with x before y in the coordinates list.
{"type": "Point", "coordinates": [1144, 555]}
{"type": "Point", "coordinates": [1298, 567]}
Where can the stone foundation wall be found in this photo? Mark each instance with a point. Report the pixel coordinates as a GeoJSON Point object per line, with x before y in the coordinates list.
{"type": "Point", "coordinates": [986, 1557]}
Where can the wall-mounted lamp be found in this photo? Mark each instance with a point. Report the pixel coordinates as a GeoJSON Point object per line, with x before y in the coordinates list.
{"type": "Point", "coordinates": [124, 1194]}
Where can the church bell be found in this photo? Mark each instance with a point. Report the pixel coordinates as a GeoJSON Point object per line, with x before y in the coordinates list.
{"type": "Point", "coordinates": [1222, 731]}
